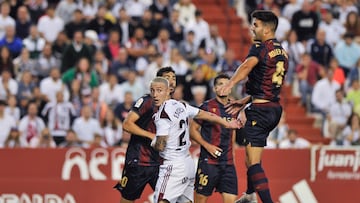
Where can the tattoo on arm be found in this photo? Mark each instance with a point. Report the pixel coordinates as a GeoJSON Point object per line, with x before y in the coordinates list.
{"type": "Point", "coordinates": [160, 143]}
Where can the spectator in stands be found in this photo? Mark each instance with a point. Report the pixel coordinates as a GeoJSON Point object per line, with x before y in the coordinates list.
{"type": "Point", "coordinates": [14, 140]}
{"type": "Point", "coordinates": [198, 79]}
{"type": "Point", "coordinates": [31, 125]}
{"type": "Point", "coordinates": [179, 65]}
{"type": "Point", "coordinates": [320, 51]}
{"type": "Point", "coordinates": [50, 25]}
{"type": "Point", "coordinates": [214, 42]}
{"type": "Point", "coordinates": [49, 86]}
{"type": "Point", "coordinates": [112, 129]}
{"type": "Point", "coordinates": [25, 88]}
{"type": "Point", "coordinates": [134, 85]}
{"type": "Point", "coordinates": [290, 8]}
{"type": "Point", "coordinates": [111, 92]}
{"type": "Point", "coordinates": [44, 140]}
{"type": "Point", "coordinates": [121, 65]}
{"type": "Point", "coordinates": [75, 96]}
{"type": "Point", "coordinates": [188, 48]}
{"type": "Point", "coordinates": [47, 61]}
{"type": "Point", "coordinates": [6, 20]}
{"type": "Point", "coordinates": [124, 26]}
{"type": "Point", "coordinates": [305, 22]}
{"type": "Point", "coordinates": [86, 126]}
{"type": "Point", "coordinates": [186, 11]}
{"type": "Point", "coordinates": [71, 140]}
{"type": "Point", "coordinates": [163, 44]}
{"type": "Point", "coordinates": [24, 63]}
{"type": "Point", "coordinates": [293, 141]}
{"type": "Point", "coordinates": [6, 123]}
{"type": "Point", "coordinates": [229, 63]}
{"type": "Point", "coordinates": [113, 45]}
{"type": "Point", "coordinates": [34, 42]}
{"type": "Point", "coordinates": [74, 51]}
{"type": "Point", "coordinates": [284, 25]}
{"type": "Point", "coordinates": [59, 45]}
{"type": "Point", "coordinates": [200, 28]}
{"type": "Point", "coordinates": [345, 7]}
{"type": "Point", "coordinates": [173, 25]}
{"type": "Point", "coordinates": [98, 107]}
{"type": "Point", "coordinates": [324, 88]}
{"type": "Point", "coordinates": [101, 65]}
{"type": "Point", "coordinates": [76, 23]}
{"type": "Point", "coordinates": [65, 10]}
{"type": "Point", "coordinates": [97, 142]}
{"type": "Point", "coordinates": [332, 27]}
{"type": "Point", "coordinates": [11, 41]}
{"type": "Point", "coordinates": [83, 73]}
{"type": "Point", "coordinates": [308, 72]}
{"type": "Point", "coordinates": [339, 75]}
{"type": "Point", "coordinates": [6, 61]}
{"type": "Point", "coordinates": [59, 115]}
{"type": "Point", "coordinates": [160, 10]}
{"type": "Point", "coordinates": [143, 62]}
{"type": "Point", "coordinates": [36, 9]}
{"type": "Point", "coordinates": [135, 9]}
{"type": "Point", "coordinates": [209, 63]}
{"type": "Point", "coordinates": [122, 109]}
{"type": "Point", "coordinates": [149, 25]}
{"type": "Point", "coordinates": [351, 133]}
{"type": "Point", "coordinates": [339, 114]}
{"type": "Point", "coordinates": [137, 45]}
{"type": "Point", "coordinates": [38, 98]}
{"type": "Point", "coordinates": [88, 8]}
{"type": "Point", "coordinates": [8, 86]}
{"type": "Point", "coordinates": [12, 109]}
{"type": "Point", "coordinates": [353, 95]}
{"type": "Point", "coordinates": [352, 23]}
{"type": "Point", "coordinates": [295, 50]}
{"type": "Point", "coordinates": [100, 24]}
{"type": "Point", "coordinates": [152, 69]}
{"type": "Point", "coordinates": [113, 6]}
{"type": "Point", "coordinates": [199, 95]}
{"type": "Point", "coordinates": [23, 22]}
{"type": "Point", "coordinates": [347, 52]}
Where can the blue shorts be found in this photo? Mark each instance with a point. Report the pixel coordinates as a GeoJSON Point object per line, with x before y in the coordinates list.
{"type": "Point", "coordinates": [262, 118]}
{"type": "Point", "coordinates": [134, 180]}
{"type": "Point", "coordinates": [222, 178]}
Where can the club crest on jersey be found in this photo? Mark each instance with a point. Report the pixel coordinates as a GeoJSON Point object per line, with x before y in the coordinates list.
{"type": "Point", "coordinates": [253, 123]}
{"type": "Point", "coordinates": [178, 111]}
{"type": "Point", "coordinates": [139, 102]}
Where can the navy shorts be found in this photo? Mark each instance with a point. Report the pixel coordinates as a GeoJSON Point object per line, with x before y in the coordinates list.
{"type": "Point", "coordinates": [134, 180]}
{"type": "Point", "coordinates": [262, 118]}
{"type": "Point", "coordinates": [220, 177]}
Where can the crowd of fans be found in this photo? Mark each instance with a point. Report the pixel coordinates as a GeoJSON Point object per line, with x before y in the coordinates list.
{"type": "Point", "coordinates": [71, 70]}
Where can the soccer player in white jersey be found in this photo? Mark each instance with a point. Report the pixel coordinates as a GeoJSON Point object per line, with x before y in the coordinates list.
{"type": "Point", "coordinates": [177, 172]}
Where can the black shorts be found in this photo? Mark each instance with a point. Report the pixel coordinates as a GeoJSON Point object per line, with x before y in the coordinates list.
{"type": "Point", "coordinates": [261, 120]}
{"type": "Point", "coordinates": [134, 180]}
{"type": "Point", "coordinates": [220, 177]}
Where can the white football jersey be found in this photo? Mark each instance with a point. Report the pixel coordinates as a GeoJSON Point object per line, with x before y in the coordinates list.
{"type": "Point", "coordinates": [172, 120]}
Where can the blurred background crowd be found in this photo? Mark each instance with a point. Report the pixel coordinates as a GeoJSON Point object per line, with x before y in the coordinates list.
{"type": "Point", "coordinates": [70, 70]}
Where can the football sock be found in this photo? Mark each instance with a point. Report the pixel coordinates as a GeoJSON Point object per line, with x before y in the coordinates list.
{"type": "Point", "coordinates": [260, 182]}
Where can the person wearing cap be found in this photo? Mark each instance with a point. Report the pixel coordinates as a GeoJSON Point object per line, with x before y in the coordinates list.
{"type": "Point", "coordinates": [347, 52]}
{"type": "Point", "coordinates": [6, 123]}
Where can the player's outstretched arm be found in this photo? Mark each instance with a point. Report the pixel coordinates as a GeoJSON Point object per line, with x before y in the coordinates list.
{"type": "Point", "coordinates": [213, 118]}
{"type": "Point", "coordinates": [240, 74]}
{"type": "Point", "coordinates": [130, 126]}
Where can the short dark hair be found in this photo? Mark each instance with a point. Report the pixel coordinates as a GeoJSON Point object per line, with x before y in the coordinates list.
{"type": "Point", "coordinates": [220, 76]}
{"type": "Point", "coordinates": [267, 17]}
{"type": "Point", "coordinates": [163, 70]}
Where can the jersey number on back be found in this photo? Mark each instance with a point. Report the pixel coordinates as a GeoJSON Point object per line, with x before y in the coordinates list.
{"type": "Point", "coordinates": [278, 76]}
{"type": "Point", "coordinates": [182, 142]}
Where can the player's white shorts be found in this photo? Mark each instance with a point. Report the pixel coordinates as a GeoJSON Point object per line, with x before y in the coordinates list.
{"type": "Point", "coordinates": [176, 181]}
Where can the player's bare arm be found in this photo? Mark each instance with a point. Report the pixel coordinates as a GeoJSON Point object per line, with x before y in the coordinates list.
{"type": "Point", "coordinates": [130, 126]}
{"type": "Point", "coordinates": [160, 143]}
{"type": "Point", "coordinates": [195, 135]}
{"type": "Point", "coordinates": [240, 74]}
{"type": "Point", "coordinates": [213, 118]}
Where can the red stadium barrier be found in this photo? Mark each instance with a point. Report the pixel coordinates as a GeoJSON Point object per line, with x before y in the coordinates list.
{"type": "Point", "coordinates": [86, 176]}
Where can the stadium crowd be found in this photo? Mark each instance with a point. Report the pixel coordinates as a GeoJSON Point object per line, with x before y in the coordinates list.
{"type": "Point", "coordinates": [71, 70]}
